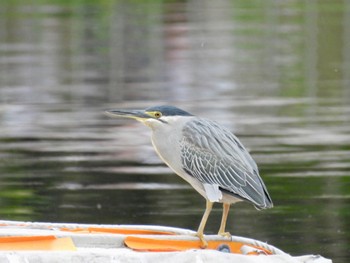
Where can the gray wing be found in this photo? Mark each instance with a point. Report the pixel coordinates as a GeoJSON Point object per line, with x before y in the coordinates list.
{"type": "Point", "coordinates": [213, 155]}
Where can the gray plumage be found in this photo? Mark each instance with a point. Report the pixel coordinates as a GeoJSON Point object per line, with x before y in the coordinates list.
{"type": "Point", "coordinates": [213, 155]}
{"type": "Point", "coordinates": [205, 154]}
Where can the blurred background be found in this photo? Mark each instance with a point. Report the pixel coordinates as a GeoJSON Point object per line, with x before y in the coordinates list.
{"type": "Point", "coordinates": [277, 73]}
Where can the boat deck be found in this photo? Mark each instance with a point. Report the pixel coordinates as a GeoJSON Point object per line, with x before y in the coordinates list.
{"type": "Point", "coordinates": [29, 242]}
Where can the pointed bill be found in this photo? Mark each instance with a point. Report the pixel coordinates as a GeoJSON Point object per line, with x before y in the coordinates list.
{"type": "Point", "coordinates": [133, 114]}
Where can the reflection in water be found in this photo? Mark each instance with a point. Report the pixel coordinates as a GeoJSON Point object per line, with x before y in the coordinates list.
{"type": "Point", "coordinates": [276, 73]}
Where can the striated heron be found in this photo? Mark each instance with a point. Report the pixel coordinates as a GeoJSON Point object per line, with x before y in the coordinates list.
{"type": "Point", "coordinates": [206, 155]}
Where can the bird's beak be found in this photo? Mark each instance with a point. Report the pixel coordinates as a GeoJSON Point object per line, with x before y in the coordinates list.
{"type": "Point", "coordinates": [139, 115]}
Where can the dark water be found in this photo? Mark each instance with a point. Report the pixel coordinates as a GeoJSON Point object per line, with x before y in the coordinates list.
{"type": "Point", "coordinates": [277, 73]}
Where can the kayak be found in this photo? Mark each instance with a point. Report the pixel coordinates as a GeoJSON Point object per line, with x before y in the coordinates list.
{"type": "Point", "coordinates": [56, 242]}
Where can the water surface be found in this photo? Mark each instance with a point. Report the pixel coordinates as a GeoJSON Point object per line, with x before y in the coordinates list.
{"type": "Point", "coordinates": [275, 73]}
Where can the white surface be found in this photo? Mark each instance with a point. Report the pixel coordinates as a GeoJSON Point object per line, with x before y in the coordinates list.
{"type": "Point", "coordinates": [106, 248]}
{"type": "Point", "coordinates": [126, 256]}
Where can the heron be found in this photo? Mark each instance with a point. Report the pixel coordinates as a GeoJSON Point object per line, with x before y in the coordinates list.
{"type": "Point", "coordinates": [205, 154]}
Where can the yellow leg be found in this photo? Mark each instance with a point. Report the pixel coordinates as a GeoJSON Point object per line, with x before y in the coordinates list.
{"type": "Point", "coordinates": [225, 210]}
{"type": "Point", "coordinates": [200, 232]}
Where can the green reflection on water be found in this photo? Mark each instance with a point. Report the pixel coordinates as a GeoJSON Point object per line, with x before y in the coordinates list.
{"type": "Point", "coordinates": [302, 203]}
{"type": "Point", "coordinates": [64, 61]}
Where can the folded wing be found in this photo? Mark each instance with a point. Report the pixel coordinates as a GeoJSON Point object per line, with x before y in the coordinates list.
{"type": "Point", "coordinates": [215, 156]}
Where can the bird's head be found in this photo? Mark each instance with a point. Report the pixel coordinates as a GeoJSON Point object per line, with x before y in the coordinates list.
{"type": "Point", "coordinates": [152, 116]}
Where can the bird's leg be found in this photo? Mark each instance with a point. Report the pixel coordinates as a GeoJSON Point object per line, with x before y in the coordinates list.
{"type": "Point", "coordinates": [225, 210]}
{"type": "Point", "coordinates": [200, 232]}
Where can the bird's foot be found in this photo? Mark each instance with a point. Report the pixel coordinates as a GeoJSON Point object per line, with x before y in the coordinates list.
{"type": "Point", "coordinates": [204, 243]}
{"type": "Point", "coordinates": [225, 234]}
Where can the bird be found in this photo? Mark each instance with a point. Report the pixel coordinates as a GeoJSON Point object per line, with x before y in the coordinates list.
{"type": "Point", "coordinates": [205, 154]}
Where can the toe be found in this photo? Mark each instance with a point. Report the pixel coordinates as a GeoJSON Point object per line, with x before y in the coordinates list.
{"type": "Point", "coordinates": [204, 243]}
{"type": "Point", "coordinates": [224, 234]}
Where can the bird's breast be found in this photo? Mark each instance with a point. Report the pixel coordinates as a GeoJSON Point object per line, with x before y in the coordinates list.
{"type": "Point", "coordinates": [166, 142]}
{"type": "Point", "coordinates": [168, 149]}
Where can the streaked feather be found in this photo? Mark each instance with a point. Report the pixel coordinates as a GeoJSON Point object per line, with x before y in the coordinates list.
{"type": "Point", "coordinates": [213, 155]}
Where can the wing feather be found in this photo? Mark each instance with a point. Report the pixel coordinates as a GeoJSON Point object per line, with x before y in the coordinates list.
{"type": "Point", "coordinates": [213, 155]}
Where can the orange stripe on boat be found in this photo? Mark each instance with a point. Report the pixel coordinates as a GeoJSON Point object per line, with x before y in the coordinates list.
{"type": "Point", "coordinates": [36, 243]}
{"type": "Point", "coordinates": [158, 245]}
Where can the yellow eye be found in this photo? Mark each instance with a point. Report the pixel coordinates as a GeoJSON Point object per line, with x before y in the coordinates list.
{"type": "Point", "coordinates": [157, 114]}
